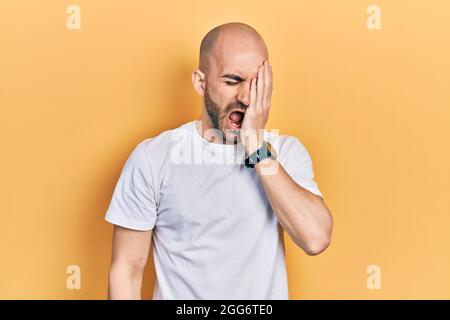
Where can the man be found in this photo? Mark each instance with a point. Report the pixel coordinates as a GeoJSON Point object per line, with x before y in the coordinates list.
{"type": "Point", "coordinates": [215, 194]}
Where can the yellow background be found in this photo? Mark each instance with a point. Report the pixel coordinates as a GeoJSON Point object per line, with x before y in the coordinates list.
{"type": "Point", "coordinates": [371, 106]}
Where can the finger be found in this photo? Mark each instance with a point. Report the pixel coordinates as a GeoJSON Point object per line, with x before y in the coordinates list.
{"type": "Point", "coordinates": [267, 85]}
{"type": "Point", "coordinates": [271, 83]}
{"type": "Point", "coordinates": [253, 93]}
{"type": "Point", "coordinates": [260, 88]}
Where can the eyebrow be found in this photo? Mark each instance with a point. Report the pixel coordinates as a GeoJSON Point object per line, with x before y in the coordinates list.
{"type": "Point", "coordinates": [233, 76]}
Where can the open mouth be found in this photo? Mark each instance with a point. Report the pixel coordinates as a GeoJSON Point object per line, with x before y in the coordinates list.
{"type": "Point", "coordinates": [235, 119]}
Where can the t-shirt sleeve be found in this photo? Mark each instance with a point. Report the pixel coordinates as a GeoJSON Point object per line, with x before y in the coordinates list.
{"type": "Point", "coordinates": [298, 164]}
{"type": "Point", "coordinates": [133, 203]}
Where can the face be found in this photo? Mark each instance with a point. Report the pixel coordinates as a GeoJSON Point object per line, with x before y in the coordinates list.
{"type": "Point", "coordinates": [227, 90]}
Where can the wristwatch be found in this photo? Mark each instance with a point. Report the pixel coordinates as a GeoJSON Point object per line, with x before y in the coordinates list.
{"type": "Point", "coordinates": [266, 151]}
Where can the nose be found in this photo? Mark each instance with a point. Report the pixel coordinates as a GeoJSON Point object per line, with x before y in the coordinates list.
{"type": "Point", "coordinates": [244, 93]}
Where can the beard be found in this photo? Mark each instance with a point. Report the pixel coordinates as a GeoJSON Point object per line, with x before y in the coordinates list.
{"type": "Point", "coordinates": [213, 111]}
{"type": "Point", "coordinates": [217, 117]}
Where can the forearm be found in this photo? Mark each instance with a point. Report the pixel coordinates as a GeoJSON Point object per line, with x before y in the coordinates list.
{"type": "Point", "coordinates": [124, 282]}
{"type": "Point", "coordinates": [301, 213]}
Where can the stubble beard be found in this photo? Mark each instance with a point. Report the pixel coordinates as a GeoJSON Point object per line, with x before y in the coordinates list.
{"type": "Point", "coordinates": [214, 113]}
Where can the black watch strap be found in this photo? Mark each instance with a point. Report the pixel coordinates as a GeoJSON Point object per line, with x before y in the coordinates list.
{"type": "Point", "coordinates": [257, 156]}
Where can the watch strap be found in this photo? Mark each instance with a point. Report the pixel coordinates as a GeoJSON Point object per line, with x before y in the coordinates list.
{"type": "Point", "coordinates": [257, 156]}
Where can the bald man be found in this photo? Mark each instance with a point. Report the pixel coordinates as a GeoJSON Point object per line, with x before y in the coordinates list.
{"type": "Point", "coordinates": [217, 193]}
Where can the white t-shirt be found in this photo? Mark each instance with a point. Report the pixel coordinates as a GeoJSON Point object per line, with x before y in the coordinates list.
{"type": "Point", "coordinates": [215, 235]}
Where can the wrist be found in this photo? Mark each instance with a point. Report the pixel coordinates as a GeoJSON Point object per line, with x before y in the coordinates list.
{"type": "Point", "coordinates": [266, 164]}
{"type": "Point", "coordinates": [260, 154]}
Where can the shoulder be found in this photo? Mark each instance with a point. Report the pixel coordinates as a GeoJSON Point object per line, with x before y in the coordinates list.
{"type": "Point", "coordinates": [286, 145]}
{"type": "Point", "coordinates": [156, 151]}
{"type": "Point", "coordinates": [161, 144]}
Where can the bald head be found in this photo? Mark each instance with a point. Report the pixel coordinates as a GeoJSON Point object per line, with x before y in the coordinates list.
{"type": "Point", "coordinates": [226, 39]}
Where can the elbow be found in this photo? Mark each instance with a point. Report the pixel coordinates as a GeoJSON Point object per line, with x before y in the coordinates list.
{"type": "Point", "coordinates": [320, 239]}
{"type": "Point", "coordinates": [318, 244]}
{"type": "Point", "coordinates": [125, 271]}
{"type": "Point", "coordinates": [317, 247]}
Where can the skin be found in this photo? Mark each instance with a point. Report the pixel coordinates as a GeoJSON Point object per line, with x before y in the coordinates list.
{"type": "Point", "coordinates": [236, 50]}
{"type": "Point", "coordinates": [129, 256]}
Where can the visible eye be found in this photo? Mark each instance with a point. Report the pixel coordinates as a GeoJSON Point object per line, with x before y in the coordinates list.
{"type": "Point", "coordinates": [231, 83]}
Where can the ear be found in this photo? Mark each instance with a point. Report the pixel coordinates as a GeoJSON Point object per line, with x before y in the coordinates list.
{"type": "Point", "coordinates": [199, 81]}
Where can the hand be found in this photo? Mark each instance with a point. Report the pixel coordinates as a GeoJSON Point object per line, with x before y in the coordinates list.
{"type": "Point", "coordinates": [257, 113]}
